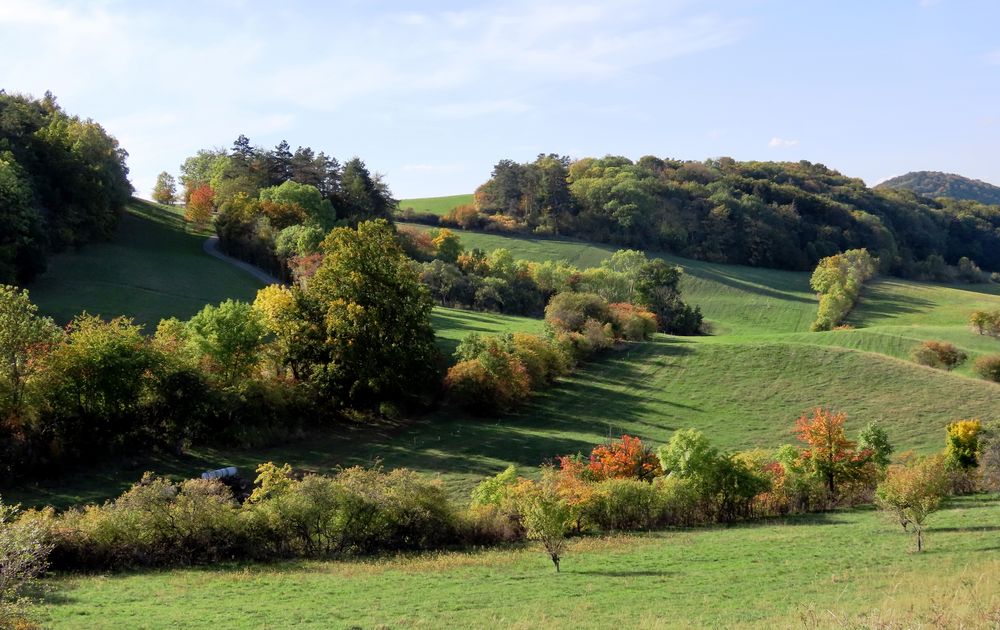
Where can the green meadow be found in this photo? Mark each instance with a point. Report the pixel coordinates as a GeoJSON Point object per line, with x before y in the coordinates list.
{"type": "Point", "coordinates": [832, 570]}
{"type": "Point", "coordinates": [436, 205]}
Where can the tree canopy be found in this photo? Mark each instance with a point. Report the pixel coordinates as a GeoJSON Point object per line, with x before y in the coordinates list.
{"type": "Point", "coordinates": [786, 215]}
{"type": "Point", "coordinates": [63, 183]}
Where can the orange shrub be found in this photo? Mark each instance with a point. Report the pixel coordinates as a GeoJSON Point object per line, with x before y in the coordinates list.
{"type": "Point", "coordinates": [632, 322]}
{"type": "Point", "coordinates": [626, 458]}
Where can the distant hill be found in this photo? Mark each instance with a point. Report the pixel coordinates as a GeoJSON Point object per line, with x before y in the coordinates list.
{"type": "Point", "coordinates": [934, 184]}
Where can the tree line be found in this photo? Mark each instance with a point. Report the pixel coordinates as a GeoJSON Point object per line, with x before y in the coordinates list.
{"type": "Point", "coordinates": [785, 215]}
{"type": "Point", "coordinates": [63, 183]}
{"type": "Point", "coordinates": [497, 282]}
{"type": "Point", "coordinates": [269, 204]}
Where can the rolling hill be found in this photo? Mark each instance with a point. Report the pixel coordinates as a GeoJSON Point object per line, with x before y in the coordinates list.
{"type": "Point", "coordinates": [935, 184]}
{"type": "Point", "coordinates": [745, 384]}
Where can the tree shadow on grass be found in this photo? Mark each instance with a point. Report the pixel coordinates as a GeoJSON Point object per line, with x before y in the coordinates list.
{"type": "Point", "coordinates": [971, 529]}
{"type": "Point", "coordinates": [625, 574]}
{"type": "Point", "coordinates": [879, 302]}
{"type": "Point", "coordinates": [742, 282]}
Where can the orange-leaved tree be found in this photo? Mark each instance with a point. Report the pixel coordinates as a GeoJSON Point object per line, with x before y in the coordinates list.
{"type": "Point", "coordinates": [626, 458]}
{"type": "Point", "coordinates": [200, 205]}
{"type": "Point", "coordinates": [828, 453]}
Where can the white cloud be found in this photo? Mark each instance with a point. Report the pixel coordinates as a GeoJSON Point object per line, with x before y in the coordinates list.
{"type": "Point", "coordinates": [781, 143]}
{"type": "Point", "coordinates": [166, 85]}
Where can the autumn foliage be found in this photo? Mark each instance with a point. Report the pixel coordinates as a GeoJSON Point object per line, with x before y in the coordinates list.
{"type": "Point", "coordinates": [828, 453]}
{"type": "Point", "coordinates": [200, 205]}
{"type": "Point", "coordinates": [626, 458]}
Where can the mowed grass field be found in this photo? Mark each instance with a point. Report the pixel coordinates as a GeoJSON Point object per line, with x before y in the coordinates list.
{"type": "Point", "coordinates": [436, 205]}
{"type": "Point", "coordinates": [839, 569]}
{"type": "Point", "coordinates": [152, 269]}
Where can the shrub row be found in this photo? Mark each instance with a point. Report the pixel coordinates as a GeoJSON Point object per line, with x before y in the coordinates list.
{"type": "Point", "coordinates": [623, 485]}
{"type": "Point", "coordinates": [838, 280]}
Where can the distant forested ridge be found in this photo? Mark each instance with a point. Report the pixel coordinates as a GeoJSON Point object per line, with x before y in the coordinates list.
{"type": "Point", "coordinates": [785, 215]}
{"type": "Point", "coordinates": [63, 182]}
{"type": "Point", "coordinates": [935, 184]}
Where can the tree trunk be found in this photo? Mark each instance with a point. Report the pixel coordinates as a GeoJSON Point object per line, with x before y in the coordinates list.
{"type": "Point", "coordinates": [555, 561]}
{"type": "Point", "coordinates": [920, 540]}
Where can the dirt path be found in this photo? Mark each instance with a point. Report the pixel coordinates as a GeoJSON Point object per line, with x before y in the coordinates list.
{"type": "Point", "coordinates": [211, 247]}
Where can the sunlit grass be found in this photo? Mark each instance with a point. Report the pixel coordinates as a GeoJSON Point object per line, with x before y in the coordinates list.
{"type": "Point", "coordinates": [805, 571]}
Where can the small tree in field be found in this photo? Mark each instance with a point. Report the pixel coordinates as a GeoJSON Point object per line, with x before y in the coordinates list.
{"type": "Point", "coordinates": [912, 493]}
{"type": "Point", "coordinates": [874, 438]}
{"type": "Point", "coordinates": [962, 451]}
{"type": "Point", "coordinates": [545, 516]}
{"type": "Point", "coordinates": [986, 322]}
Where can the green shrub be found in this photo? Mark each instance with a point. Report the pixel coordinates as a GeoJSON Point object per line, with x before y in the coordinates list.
{"type": "Point", "coordinates": [24, 551]}
{"type": "Point", "coordinates": [989, 367]}
{"type": "Point", "coordinates": [570, 312]}
{"type": "Point", "coordinates": [625, 504]}
{"type": "Point", "coordinates": [680, 502]}
{"type": "Point", "coordinates": [155, 523]}
{"type": "Point", "coordinates": [938, 354]}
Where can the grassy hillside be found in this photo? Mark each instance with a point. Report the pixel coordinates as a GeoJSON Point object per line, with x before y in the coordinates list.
{"type": "Point", "coordinates": [745, 385]}
{"type": "Point", "coordinates": [437, 205]}
{"type": "Point", "coordinates": [152, 270]}
{"type": "Point", "coordinates": [811, 568]}
{"type": "Point", "coordinates": [734, 298]}
{"type": "Point", "coordinates": [745, 301]}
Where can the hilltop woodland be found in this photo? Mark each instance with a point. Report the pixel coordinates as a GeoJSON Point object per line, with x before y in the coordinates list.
{"type": "Point", "coordinates": [934, 184]}
{"type": "Point", "coordinates": [763, 214]}
{"type": "Point", "coordinates": [272, 205]}
{"type": "Point", "coordinates": [63, 183]}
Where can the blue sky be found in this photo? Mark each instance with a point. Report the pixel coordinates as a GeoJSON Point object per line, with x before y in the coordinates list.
{"type": "Point", "coordinates": [432, 94]}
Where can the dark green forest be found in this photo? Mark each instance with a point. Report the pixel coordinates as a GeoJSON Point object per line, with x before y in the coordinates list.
{"type": "Point", "coordinates": [935, 184]}
{"type": "Point", "coordinates": [63, 183]}
{"type": "Point", "coordinates": [785, 215]}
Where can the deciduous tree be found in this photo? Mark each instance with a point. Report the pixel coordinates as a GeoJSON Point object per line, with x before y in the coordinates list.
{"type": "Point", "coordinates": [165, 190]}
{"type": "Point", "coordinates": [828, 453]}
{"type": "Point", "coordinates": [912, 493]}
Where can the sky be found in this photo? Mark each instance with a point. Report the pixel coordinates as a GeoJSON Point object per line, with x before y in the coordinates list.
{"type": "Point", "coordinates": [433, 94]}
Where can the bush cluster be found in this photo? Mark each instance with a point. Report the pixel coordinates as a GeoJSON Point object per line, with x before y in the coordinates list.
{"type": "Point", "coordinates": [938, 354]}
{"type": "Point", "coordinates": [162, 523]}
{"type": "Point", "coordinates": [498, 372]}
{"type": "Point", "coordinates": [838, 281]}
{"type": "Point", "coordinates": [497, 282]}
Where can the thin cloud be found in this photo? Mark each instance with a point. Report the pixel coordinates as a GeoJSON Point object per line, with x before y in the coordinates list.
{"type": "Point", "coordinates": [781, 143]}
